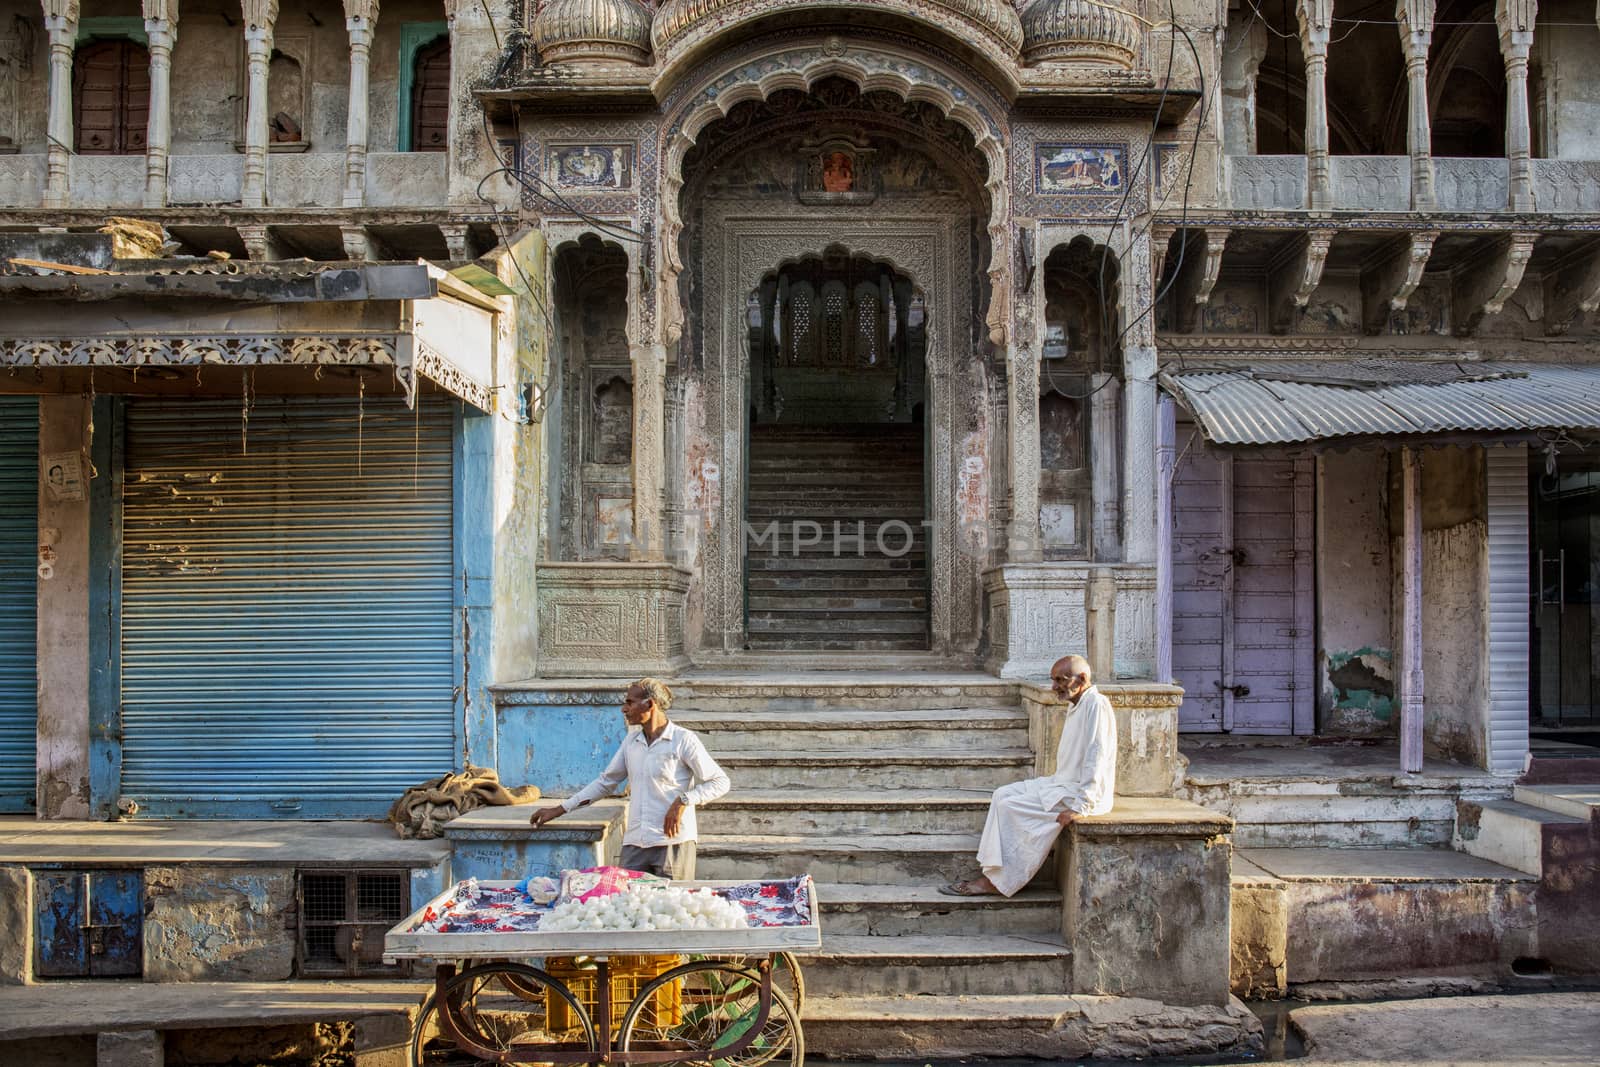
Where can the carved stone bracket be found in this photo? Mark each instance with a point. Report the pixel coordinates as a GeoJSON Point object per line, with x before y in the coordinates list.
{"type": "Point", "coordinates": [1160, 239]}
{"type": "Point", "coordinates": [1485, 289]}
{"type": "Point", "coordinates": [258, 242]}
{"type": "Point", "coordinates": [358, 244]}
{"type": "Point", "coordinates": [1572, 288]}
{"type": "Point", "coordinates": [456, 239]}
{"type": "Point", "coordinates": [1302, 268]}
{"type": "Point", "coordinates": [1389, 278]}
{"type": "Point", "coordinates": [1216, 241]}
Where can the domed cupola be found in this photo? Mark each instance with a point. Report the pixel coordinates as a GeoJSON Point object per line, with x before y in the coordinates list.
{"type": "Point", "coordinates": [994, 20]}
{"type": "Point", "coordinates": [593, 31]}
{"type": "Point", "coordinates": [1094, 33]}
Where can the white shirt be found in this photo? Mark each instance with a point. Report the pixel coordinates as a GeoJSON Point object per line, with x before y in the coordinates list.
{"type": "Point", "coordinates": [1086, 759]}
{"type": "Point", "coordinates": [676, 764]}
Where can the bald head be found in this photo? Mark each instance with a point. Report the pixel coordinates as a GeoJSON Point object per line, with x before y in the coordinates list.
{"type": "Point", "coordinates": [1070, 676]}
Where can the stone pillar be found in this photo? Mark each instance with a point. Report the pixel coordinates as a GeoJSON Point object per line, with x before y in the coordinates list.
{"type": "Point", "coordinates": [1022, 400]}
{"type": "Point", "coordinates": [1166, 467]}
{"type": "Point", "coordinates": [649, 450]}
{"type": "Point", "coordinates": [1138, 406]}
{"type": "Point", "coordinates": [1244, 49]}
{"type": "Point", "coordinates": [1416, 34]}
{"type": "Point", "coordinates": [161, 27]}
{"type": "Point", "coordinates": [1105, 512]}
{"type": "Point", "coordinates": [61, 23]}
{"type": "Point", "coordinates": [360, 19]}
{"type": "Point", "coordinates": [1412, 709]}
{"type": "Point", "coordinates": [259, 16]}
{"type": "Point", "coordinates": [1316, 26]}
{"type": "Point", "coordinates": [1515, 19]}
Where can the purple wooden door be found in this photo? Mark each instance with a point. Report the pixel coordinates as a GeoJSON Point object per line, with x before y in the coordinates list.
{"type": "Point", "coordinates": [1242, 642]}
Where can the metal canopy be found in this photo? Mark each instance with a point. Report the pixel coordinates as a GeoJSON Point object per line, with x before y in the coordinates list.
{"type": "Point", "coordinates": [1290, 402]}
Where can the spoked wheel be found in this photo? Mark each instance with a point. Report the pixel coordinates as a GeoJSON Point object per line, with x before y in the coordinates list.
{"type": "Point", "coordinates": [498, 1014]}
{"type": "Point", "coordinates": [717, 1009]}
{"type": "Point", "coordinates": [786, 976]}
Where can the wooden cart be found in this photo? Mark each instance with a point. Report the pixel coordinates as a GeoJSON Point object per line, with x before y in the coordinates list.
{"type": "Point", "coordinates": [605, 997]}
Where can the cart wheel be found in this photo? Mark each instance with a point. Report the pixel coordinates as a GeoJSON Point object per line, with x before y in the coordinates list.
{"type": "Point", "coordinates": [718, 1005]}
{"type": "Point", "coordinates": [786, 975]}
{"type": "Point", "coordinates": [497, 1008]}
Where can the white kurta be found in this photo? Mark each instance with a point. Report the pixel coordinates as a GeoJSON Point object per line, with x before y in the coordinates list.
{"type": "Point", "coordinates": [1022, 824]}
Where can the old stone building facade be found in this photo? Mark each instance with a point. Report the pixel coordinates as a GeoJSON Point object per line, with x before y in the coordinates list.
{"type": "Point", "coordinates": [848, 361]}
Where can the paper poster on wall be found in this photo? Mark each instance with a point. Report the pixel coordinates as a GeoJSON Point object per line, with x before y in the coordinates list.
{"type": "Point", "coordinates": [63, 475]}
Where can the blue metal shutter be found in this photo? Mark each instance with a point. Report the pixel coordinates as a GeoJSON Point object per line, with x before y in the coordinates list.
{"type": "Point", "coordinates": [286, 606]}
{"type": "Point", "coordinates": [19, 540]}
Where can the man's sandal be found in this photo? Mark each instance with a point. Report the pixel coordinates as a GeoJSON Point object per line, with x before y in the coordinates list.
{"type": "Point", "coordinates": [968, 888]}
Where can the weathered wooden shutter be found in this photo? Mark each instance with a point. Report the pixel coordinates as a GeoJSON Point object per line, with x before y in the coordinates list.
{"type": "Point", "coordinates": [110, 97]}
{"type": "Point", "coordinates": [19, 539]}
{"type": "Point", "coordinates": [430, 98]}
{"type": "Point", "coordinates": [287, 637]}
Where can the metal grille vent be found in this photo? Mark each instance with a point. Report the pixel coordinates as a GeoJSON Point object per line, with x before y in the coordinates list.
{"type": "Point", "coordinates": [343, 917]}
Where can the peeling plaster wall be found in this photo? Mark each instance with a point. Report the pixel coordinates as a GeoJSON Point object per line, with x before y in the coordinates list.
{"type": "Point", "coordinates": [24, 75]}
{"type": "Point", "coordinates": [474, 51]}
{"type": "Point", "coordinates": [63, 626]}
{"type": "Point", "coordinates": [206, 925]}
{"type": "Point", "coordinates": [518, 467]}
{"type": "Point", "coordinates": [1455, 601]}
{"type": "Point", "coordinates": [1355, 658]}
{"type": "Point", "coordinates": [1571, 80]}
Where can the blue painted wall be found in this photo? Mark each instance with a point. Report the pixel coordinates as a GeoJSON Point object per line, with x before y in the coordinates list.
{"type": "Point", "coordinates": [557, 739]}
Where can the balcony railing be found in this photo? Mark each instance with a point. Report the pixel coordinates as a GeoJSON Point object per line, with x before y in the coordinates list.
{"type": "Point", "coordinates": [1267, 183]}
{"type": "Point", "coordinates": [308, 180]}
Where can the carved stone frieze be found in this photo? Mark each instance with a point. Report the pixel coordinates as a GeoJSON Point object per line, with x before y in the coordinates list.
{"type": "Point", "coordinates": [595, 616]}
{"type": "Point", "coordinates": [433, 365]}
{"type": "Point", "coordinates": [198, 349]}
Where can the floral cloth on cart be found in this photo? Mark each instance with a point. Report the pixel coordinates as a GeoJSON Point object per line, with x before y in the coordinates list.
{"type": "Point", "coordinates": [474, 908]}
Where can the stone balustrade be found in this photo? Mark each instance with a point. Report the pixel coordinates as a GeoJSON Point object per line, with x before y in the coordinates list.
{"type": "Point", "coordinates": [1266, 183]}
{"type": "Point", "coordinates": [1372, 183]}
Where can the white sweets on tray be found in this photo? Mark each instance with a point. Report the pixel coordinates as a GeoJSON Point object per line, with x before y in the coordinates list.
{"type": "Point", "coordinates": [627, 923]}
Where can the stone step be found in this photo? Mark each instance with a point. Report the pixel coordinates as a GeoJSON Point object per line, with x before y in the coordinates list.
{"type": "Point", "coordinates": [1512, 834]}
{"type": "Point", "coordinates": [964, 729]}
{"type": "Point", "coordinates": [899, 910]}
{"type": "Point", "coordinates": [810, 582]}
{"type": "Point", "coordinates": [808, 603]}
{"type": "Point", "coordinates": [794, 622]}
{"type": "Point", "coordinates": [824, 643]}
{"type": "Point", "coordinates": [858, 688]}
{"type": "Point", "coordinates": [809, 565]}
{"type": "Point", "coordinates": [812, 813]}
{"type": "Point", "coordinates": [855, 965]}
{"type": "Point", "coordinates": [1573, 801]}
{"type": "Point", "coordinates": [863, 859]}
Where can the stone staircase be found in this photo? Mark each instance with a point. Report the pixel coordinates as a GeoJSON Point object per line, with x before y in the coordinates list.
{"type": "Point", "coordinates": [845, 594]}
{"type": "Point", "coordinates": [879, 790]}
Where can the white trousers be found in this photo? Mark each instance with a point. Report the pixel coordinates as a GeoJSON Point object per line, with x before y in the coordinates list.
{"type": "Point", "coordinates": [1018, 833]}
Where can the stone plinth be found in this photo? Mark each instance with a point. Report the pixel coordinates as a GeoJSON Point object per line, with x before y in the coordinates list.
{"type": "Point", "coordinates": [1146, 895]}
{"type": "Point", "coordinates": [557, 735]}
{"type": "Point", "coordinates": [1039, 612]}
{"type": "Point", "coordinates": [499, 843]}
{"type": "Point", "coordinates": [1148, 762]}
{"type": "Point", "coordinates": [598, 619]}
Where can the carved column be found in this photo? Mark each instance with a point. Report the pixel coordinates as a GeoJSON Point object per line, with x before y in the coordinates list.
{"type": "Point", "coordinates": [1515, 19]}
{"type": "Point", "coordinates": [161, 27]}
{"type": "Point", "coordinates": [1243, 51]}
{"type": "Point", "coordinates": [1316, 26]}
{"type": "Point", "coordinates": [1138, 407]}
{"type": "Point", "coordinates": [1416, 34]}
{"type": "Point", "coordinates": [259, 16]}
{"type": "Point", "coordinates": [1105, 520]}
{"type": "Point", "coordinates": [1022, 429]}
{"type": "Point", "coordinates": [360, 19]}
{"type": "Point", "coordinates": [649, 450]}
{"type": "Point", "coordinates": [61, 22]}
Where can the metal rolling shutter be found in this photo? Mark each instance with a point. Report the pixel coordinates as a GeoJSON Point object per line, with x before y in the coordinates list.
{"type": "Point", "coordinates": [286, 609]}
{"type": "Point", "coordinates": [1509, 604]}
{"type": "Point", "coordinates": [19, 538]}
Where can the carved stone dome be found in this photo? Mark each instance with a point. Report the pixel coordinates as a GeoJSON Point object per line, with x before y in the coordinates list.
{"type": "Point", "coordinates": [677, 19]}
{"type": "Point", "coordinates": [1091, 32]}
{"type": "Point", "coordinates": [593, 31]}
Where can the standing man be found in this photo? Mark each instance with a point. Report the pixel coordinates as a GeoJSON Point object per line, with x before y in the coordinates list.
{"type": "Point", "coordinates": [1026, 817]}
{"type": "Point", "coordinates": [669, 774]}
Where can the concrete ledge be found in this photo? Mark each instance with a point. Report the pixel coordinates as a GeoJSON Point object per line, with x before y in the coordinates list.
{"type": "Point", "coordinates": [27, 842]}
{"type": "Point", "coordinates": [1148, 763]}
{"type": "Point", "coordinates": [499, 843]}
{"type": "Point", "coordinates": [1152, 817]}
{"type": "Point", "coordinates": [1049, 1028]}
{"type": "Point", "coordinates": [62, 1009]}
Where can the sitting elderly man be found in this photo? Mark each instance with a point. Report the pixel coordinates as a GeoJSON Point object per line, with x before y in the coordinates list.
{"type": "Point", "coordinates": [1026, 817]}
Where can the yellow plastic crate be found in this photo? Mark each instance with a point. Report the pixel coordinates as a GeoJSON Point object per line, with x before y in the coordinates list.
{"type": "Point", "coordinates": [629, 974]}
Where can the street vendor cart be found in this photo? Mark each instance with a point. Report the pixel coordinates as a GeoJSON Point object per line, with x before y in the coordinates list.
{"type": "Point", "coordinates": [507, 992]}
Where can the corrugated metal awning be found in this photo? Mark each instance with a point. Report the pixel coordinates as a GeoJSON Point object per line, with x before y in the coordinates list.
{"type": "Point", "coordinates": [1289, 402]}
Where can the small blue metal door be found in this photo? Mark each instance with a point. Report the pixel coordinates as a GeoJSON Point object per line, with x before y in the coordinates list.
{"type": "Point", "coordinates": [19, 539]}
{"type": "Point", "coordinates": [89, 924]}
{"type": "Point", "coordinates": [287, 606]}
